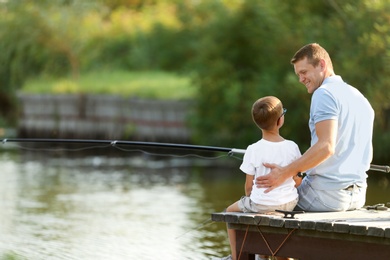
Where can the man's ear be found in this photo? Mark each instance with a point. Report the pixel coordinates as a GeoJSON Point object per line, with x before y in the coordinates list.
{"type": "Point", "coordinates": [322, 64]}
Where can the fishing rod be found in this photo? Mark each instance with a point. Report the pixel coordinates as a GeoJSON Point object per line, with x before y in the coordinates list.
{"type": "Point", "coordinates": [230, 151]}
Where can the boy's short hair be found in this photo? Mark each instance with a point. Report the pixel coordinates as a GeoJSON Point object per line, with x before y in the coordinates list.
{"type": "Point", "coordinates": [266, 111]}
{"type": "Point", "coordinates": [314, 53]}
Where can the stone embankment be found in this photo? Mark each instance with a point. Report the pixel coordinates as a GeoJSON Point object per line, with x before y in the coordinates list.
{"type": "Point", "coordinates": [103, 117]}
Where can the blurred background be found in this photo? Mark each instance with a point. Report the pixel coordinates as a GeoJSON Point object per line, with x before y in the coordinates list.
{"type": "Point", "coordinates": [98, 65]}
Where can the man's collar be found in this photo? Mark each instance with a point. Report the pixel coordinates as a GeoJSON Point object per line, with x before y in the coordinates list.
{"type": "Point", "coordinates": [332, 78]}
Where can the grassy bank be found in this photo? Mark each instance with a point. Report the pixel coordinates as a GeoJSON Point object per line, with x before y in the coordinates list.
{"type": "Point", "coordinates": [155, 84]}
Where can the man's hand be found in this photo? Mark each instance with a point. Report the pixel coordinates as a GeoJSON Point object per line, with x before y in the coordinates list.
{"type": "Point", "coordinates": [272, 179]}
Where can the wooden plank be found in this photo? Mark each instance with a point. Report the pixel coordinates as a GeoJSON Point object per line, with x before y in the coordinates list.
{"type": "Point", "coordinates": [276, 222]}
{"type": "Point", "coordinates": [359, 222]}
{"type": "Point", "coordinates": [262, 220]}
{"type": "Point", "coordinates": [247, 219]}
{"type": "Point", "coordinates": [308, 224]}
{"type": "Point", "coordinates": [341, 227]}
{"type": "Point", "coordinates": [358, 230]}
{"type": "Point", "coordinates": [324, 226]}
{"type": "Point", "coordinates": [218, 217]}
{"type": "Point", "coordinates": [376, 232]}
{"type": "Point", "coordinates": [292, 223]}
{"type": "Point", "coordinates": [230, 218]}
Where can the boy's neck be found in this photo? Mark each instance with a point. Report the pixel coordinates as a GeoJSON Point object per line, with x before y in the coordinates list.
{"type": "Point", "coordinates": [272, 136]}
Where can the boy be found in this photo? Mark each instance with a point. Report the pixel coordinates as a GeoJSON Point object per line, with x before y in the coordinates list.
{"type": "Point", "coordinates": [268, 115]}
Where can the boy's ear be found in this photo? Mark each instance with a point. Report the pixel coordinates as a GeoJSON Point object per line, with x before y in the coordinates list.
{"type": "Point", "coordinates": [279, 121]}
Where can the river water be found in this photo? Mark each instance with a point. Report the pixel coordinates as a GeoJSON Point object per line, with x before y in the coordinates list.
{"type": "Point", "coordinates": [63, 206]}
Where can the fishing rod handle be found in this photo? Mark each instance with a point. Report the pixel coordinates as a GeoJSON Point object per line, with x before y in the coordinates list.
{"type": "Point", "coordinates": [380, 168]}
{"type": "Point", "coordinates": [238, 151]}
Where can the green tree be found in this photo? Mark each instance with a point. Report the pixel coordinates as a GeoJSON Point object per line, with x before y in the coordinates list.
{"type": "Point", "coordinates": [368, 64]}
{"type": "Point", "coordinates": [238, 61]}
{"type": "Point", "coordinates": [244, 54]}
{"type": "Point", "coordinates": [236, 50]}
{"type": "Point", "coordinates": [35, 39]}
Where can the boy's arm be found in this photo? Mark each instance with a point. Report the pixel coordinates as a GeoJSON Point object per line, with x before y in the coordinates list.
{"type": "Point", "coordinates": [249, 184]}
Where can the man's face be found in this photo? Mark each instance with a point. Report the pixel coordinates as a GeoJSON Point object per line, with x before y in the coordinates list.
{"type": "Point", "coordinates": [310, 76]}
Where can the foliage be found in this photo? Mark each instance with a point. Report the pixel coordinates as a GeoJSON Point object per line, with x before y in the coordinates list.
{"type": "Point", "coordinates": [235, 67]}
{"type": "Point", "coordinates": [363, 58]}
{"type": "Point", "coordinates": [236, 51]}
{"type": "Point", "coordinates": [357, 41]}
{"type": "Point", "coordinates": [136, 40]}
{"type": "Point", "coordinates": [34, 42]}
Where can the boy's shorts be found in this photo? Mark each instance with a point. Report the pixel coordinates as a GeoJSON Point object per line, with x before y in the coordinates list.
{"type": "Point", "coordinates": [246, 205]}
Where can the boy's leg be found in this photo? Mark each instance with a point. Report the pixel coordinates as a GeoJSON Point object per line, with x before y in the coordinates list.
{"type": "Point", "coordinates": [231, 232]}
{"type": "Point", "coordinates": [232, 241]}
{"type": "Point", "coordinates": [233, 208]}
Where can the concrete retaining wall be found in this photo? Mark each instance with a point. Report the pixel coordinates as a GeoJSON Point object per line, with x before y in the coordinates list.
{"type": "Point", "coordinates": [103, 117]}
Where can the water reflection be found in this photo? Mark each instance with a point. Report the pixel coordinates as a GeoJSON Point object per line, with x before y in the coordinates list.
{"type": "Point", "coordinates": [94, 207]}
{"type": "Point", "coordinates": [85, 209]}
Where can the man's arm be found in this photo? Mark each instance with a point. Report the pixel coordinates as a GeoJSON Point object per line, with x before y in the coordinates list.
{"type": "Point", "coordinates": [325, 147]}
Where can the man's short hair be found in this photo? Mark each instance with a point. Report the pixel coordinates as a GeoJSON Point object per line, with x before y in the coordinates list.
{"type": "Point", "coordinates": [314, 53]}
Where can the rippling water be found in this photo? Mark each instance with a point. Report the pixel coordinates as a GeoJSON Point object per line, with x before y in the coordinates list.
{"type": "Point", "coordinates": [108, 208]}
{"type": "Point", "coordinates": [93, 207]}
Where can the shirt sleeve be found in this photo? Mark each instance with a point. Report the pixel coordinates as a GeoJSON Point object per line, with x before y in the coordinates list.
{"type": "Point", "coordinates": [247, 166]}
{"type": "Point", "coordinates": [323, 106]}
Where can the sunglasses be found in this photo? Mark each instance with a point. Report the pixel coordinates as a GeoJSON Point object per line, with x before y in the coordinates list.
{"type": "Point", "coordinates": [284, 112]}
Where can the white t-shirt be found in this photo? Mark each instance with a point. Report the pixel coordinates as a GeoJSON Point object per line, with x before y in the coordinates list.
{"type": "Point", "coordinates": [336, 100]}
{"type": "Point", "coordinates": [280, 153]}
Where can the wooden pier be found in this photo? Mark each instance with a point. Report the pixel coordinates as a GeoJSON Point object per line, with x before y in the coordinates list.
{"type": "Point", "coordinates": [360, 234]}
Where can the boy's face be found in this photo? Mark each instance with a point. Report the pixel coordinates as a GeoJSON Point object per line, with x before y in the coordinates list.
{"type": "Point", "coordinates": [309, 75]}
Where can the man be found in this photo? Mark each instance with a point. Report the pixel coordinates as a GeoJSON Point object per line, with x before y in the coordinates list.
{"type": "Point", "coordinates": [341, 126]}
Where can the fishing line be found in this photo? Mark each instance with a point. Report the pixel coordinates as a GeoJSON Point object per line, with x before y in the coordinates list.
{"type": "Point", "coordinates": [114, 145]}
{"type": "Point", "coordinates": [177, 155]}
{"type": "Point", "coordinates": [60, 149]}
{"type": "Point", "coordinates": [201, 225]}
{"type": "Point", "coordinates": [108, 143]}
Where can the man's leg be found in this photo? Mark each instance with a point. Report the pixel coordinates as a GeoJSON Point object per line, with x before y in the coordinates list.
{"type": "Point", "coordinates": [328, 201]}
